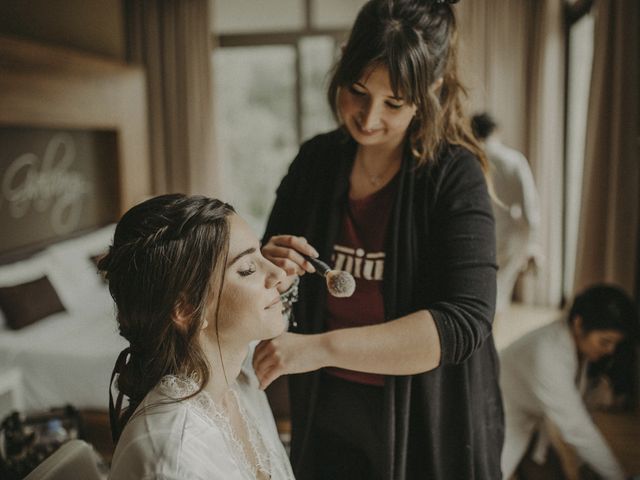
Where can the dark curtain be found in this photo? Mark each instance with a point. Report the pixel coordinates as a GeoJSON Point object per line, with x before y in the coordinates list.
{"type": "Point", "coordinates": [608, 240]}
{"type": "Point", "coordinates": [171, 39]}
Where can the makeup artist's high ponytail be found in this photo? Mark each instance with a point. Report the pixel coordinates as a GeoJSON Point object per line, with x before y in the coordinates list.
{"type": "Point", "coordinates": [417, 40]}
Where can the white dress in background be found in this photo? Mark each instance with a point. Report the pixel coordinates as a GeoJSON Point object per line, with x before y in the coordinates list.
{"type": "Point", "coordinates": [193, 439]}
{"type": "Point", "coordinates": [517, 217]}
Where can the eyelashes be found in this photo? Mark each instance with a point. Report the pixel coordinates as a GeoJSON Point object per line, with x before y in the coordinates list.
{"type": "Point", "coordinates": [248, 271]}
{"type": "Point", "coordinates": [360, 93]}
{"type": "Point", "coordinates": [356, 92]}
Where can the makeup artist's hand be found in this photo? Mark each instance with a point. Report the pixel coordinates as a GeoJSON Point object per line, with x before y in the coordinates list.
{"type": "Point", "coordinates": [286, 354]}
{"type": "Point", "coordinates": [286, 252]}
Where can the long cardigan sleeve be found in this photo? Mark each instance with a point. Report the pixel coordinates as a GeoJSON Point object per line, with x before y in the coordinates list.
{"type": "Point", "coordinates": [463, 242]}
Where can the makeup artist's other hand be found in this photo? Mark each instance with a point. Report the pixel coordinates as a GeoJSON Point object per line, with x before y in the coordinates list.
{"type": "Point", "coordinates": [286, 252]}
{"type": "Point", "coordinates": [286, 354]}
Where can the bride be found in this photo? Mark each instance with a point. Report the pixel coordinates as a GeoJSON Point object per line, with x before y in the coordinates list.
{"type": "Point", "coordinates": [192, 291]}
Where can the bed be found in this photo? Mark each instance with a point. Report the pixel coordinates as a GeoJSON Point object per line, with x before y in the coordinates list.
{"type": "Point", "coordinates": [62, 101]}
{"type": "Point", "coordinates": [66, 356]}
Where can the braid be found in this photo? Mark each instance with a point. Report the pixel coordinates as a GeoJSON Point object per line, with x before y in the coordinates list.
{"type": "Point", "coordinates": [164, 253]}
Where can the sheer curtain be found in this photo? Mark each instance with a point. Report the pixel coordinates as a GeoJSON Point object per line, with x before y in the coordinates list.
{"type": "Point", "coordinates": [495, 44]}
{"type": "Point", "coordinates": [546, 107]}
{"type": "Point", "coordinates": [171, 39]}
{"type": "Point", "coordinates": [513, 60]}
{"type": "Point", "coordinates": [608, 240]}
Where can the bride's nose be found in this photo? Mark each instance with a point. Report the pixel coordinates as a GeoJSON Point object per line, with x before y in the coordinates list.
{"type": "Point", "coordinates": [275, 276]}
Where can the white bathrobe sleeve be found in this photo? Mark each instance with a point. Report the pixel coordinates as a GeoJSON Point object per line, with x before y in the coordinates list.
{"type": "Point", "coordinates": [553, 385]}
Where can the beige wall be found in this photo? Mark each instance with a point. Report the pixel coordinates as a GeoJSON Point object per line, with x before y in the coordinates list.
{"type": "Point", "coordinates": [95, 26]}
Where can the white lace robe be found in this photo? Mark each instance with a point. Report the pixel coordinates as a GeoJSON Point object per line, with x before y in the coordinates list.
{"type": "Point", "coordinates": [193, 439]}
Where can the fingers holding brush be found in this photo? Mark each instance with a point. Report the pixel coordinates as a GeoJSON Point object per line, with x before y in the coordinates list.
{"type": "Point", "coordinates": [287, 252]}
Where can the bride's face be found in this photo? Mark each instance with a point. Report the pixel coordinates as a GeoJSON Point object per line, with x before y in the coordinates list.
{"type": "Point", "coordinates": [250, 307]}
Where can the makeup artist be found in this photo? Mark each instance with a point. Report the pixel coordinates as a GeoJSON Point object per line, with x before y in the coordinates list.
{"type": "Point", "coordinates": [398, 381]}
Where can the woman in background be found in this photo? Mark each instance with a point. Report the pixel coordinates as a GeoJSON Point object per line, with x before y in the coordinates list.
{"type": "Point", "coordinates": [399, 381]}
{"type": "Point", "coordinates": [543, 379]}
{"type": "Point", "coordinates": [192, 290]}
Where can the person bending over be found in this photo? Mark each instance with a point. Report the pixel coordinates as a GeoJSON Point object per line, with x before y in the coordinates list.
{"type": "Point", "coordinates": [543, 377]}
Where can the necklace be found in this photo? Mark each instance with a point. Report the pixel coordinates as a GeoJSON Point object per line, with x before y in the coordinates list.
{"type": "Point", "coordinates": [377, 179]}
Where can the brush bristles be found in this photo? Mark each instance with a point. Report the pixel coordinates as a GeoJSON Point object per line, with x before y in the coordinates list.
{"type": "Point", "coordinates": [340, 284]}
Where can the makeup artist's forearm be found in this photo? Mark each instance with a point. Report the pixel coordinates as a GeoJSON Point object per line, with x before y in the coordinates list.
{"type": "Point", "coordinates": [405, 346]}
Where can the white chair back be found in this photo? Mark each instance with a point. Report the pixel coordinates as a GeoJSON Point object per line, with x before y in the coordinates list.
{"type": "Point", "coordinates": [75, 459]}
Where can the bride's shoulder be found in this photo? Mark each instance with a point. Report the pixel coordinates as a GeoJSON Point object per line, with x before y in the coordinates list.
{"type": "Point", "coordinates": [176, 387]}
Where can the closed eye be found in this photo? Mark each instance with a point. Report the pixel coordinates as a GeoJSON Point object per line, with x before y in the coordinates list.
{"type": "Point", "coordinates": [247, 271]}
{"type": "Point", "coordinates": [355, 91]}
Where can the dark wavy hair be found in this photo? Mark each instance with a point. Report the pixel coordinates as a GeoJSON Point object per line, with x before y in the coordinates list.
{"type": "Point", "coordinates": [168, 253]}
{"type": "Point", "coordinates": [417, 42]}
{"type": "Point", "coordinates": [483, 125]}
{"type": "Point", "coordinates": [606, 307]}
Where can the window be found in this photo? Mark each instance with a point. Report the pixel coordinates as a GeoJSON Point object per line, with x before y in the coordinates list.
{"type": "Point", "coordinates": [270, 71]}
{"type": "Point", "coordinates": [256, 124]}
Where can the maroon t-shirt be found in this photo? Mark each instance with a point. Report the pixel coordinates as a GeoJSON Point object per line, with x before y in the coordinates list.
{"type": "Point", "coordinates": [359, 250]}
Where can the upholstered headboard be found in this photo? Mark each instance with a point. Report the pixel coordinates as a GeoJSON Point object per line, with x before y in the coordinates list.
{"type": "Point", "coordinates": [73, 143]}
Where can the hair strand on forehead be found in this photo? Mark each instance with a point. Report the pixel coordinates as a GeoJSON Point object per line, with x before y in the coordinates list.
{"type": "Point", "coordinates": [417, 43]}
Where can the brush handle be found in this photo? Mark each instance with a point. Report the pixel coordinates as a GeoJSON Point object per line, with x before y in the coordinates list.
{"type": "Point", "coordinates": [321, 268]}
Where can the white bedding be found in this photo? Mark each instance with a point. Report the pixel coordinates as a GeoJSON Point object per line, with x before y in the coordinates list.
{"type": "Point", "coordinates": [66, 357]}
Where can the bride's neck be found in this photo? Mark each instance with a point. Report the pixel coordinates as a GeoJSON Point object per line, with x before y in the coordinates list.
{"type": "Point", "coordinates": [224, 367]}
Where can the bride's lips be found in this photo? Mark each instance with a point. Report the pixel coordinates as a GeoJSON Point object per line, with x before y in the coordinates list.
{"type": "Point", "coordinates": [273, 303]}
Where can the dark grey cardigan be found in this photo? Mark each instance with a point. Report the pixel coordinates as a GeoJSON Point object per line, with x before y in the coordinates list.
{"type": "Point", "coordinates": [440, 255]}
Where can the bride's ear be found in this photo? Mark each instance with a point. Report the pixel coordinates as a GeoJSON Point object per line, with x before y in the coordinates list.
{"type": "Point", "coordinates": [182, 313]}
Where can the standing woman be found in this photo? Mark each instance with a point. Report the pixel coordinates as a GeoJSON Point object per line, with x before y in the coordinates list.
{"type": "Point", "coordinates": [398, 381]}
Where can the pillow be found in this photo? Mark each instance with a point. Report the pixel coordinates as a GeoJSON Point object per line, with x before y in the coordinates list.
{"type": "Point", "coordinates": [74, 274]}
{"type": "Point", "coordinates": [23, 271]}
{"type": "Point", "coordinates": [26, 303]}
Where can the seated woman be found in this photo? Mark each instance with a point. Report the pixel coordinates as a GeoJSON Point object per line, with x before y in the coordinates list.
{"type": "Point", "coordinates": [543, 378]}
{"type": "Point", "coordinates": [192, 290]}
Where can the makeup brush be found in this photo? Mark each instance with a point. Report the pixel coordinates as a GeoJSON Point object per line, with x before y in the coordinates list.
{"type": "Point", "coordinates": [339, 283]}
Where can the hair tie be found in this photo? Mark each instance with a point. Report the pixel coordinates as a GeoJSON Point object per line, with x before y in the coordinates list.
{"type": "Point", "coordinates": [114, 409]}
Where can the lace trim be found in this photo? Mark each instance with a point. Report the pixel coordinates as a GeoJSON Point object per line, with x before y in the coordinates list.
{"type": "Point", "coordinates": [288, 298]}
{"type": "Point", "coordinates": [179, 387]}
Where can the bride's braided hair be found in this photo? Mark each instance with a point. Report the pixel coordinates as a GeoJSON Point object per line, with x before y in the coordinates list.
{"type": "Point", "coordinates": [167, 253]}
